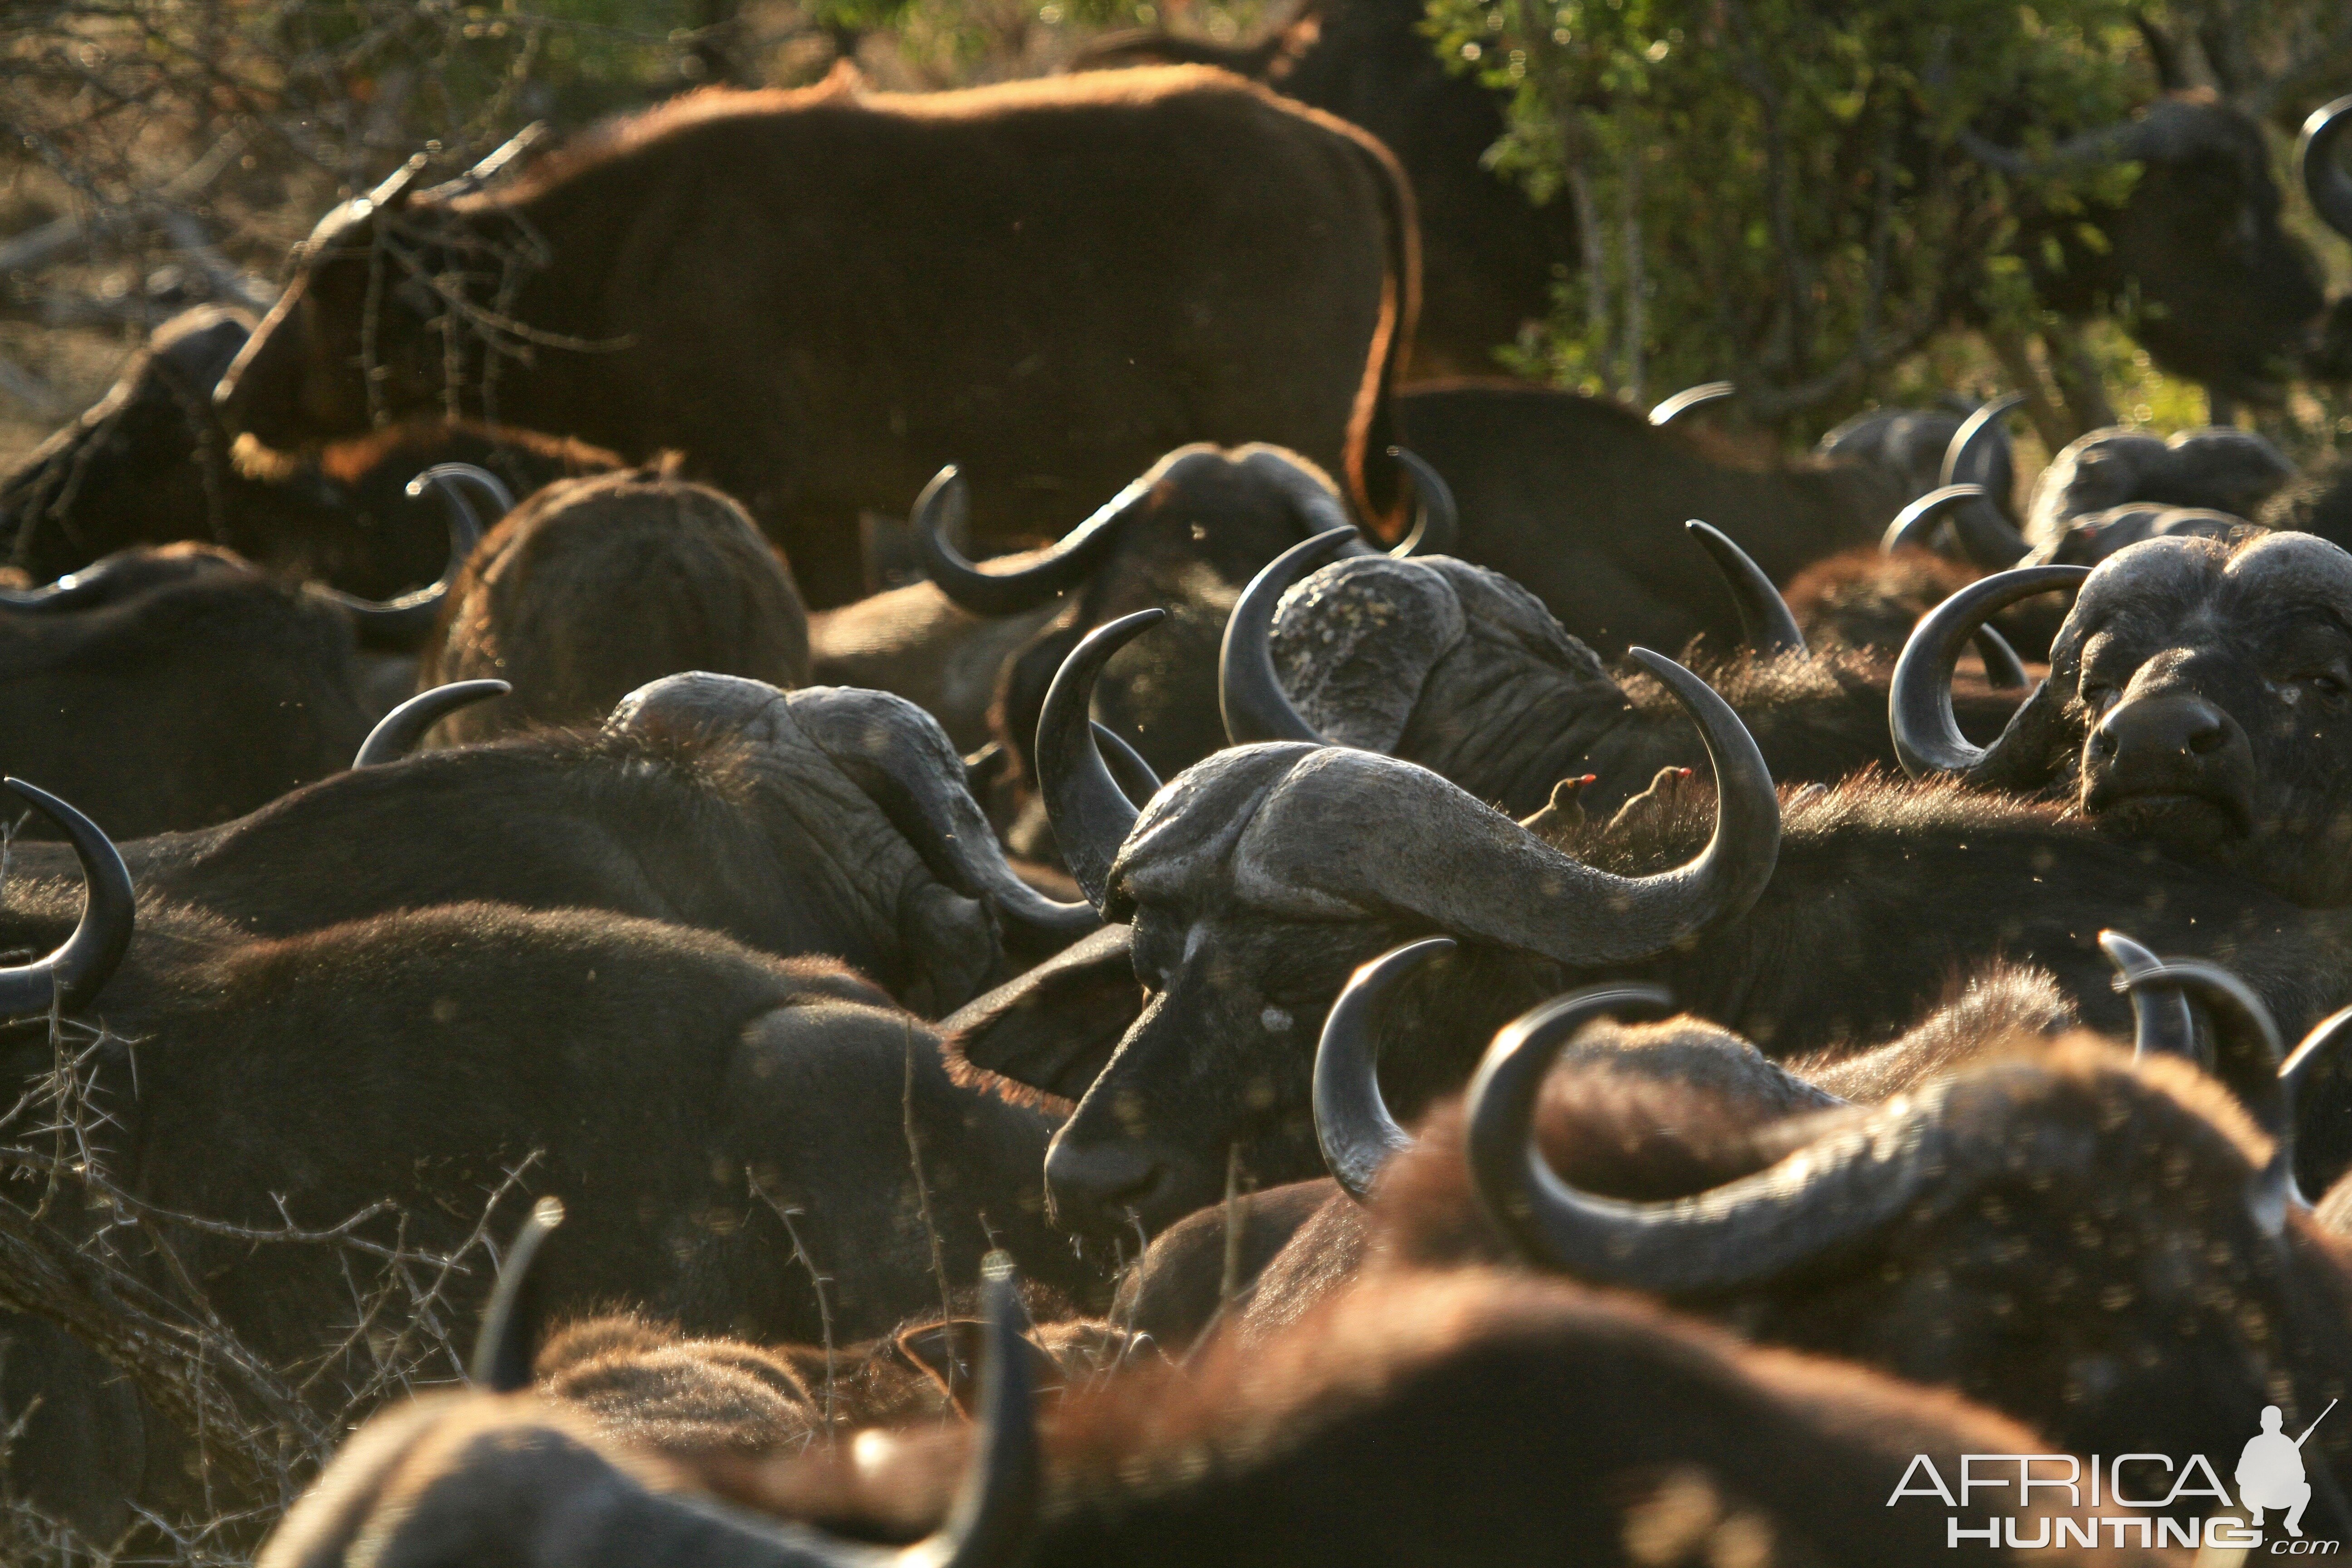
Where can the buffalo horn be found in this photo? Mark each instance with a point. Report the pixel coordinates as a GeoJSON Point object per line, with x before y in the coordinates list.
{"type": "Point", "coordinates": [1928, 737]}
{"type": "Point", "coordinates": [1985, 536]}
{"type": "Point", "coordinates": [1249, 692]}
{"type": "Point", "coordinates": [508, 1342]}
{"type": "Point", "coordinates": [397, 733]}
{"type": "Point", "coordinates": [2319, 162]}
{"type": "Point", "coordinates": [405, 622]}
{"type": "Point", "coordinates": [1091, 815]}
{"type": "Point", "coordinates": [74, 590]}
{"type": "Point", "coordinates": [2162, 1024]}
{"type": "Point", "coordinates": [1844, 1186]}
{"type": "Point", "coordinates": [2322, 1039]}
{"type": "Point", "coordinates": [1352, 1123]}
{"type": "Point", "coordinates": [1436, 520]}
{"type": "Point", "coordinates": [2248, 1060]}
{"type": "Point", "coordinates": [1466, 870]}
{"type": "Point", "coordinates": [944, 506]}
{"type": "Point", "coordinates": [1916, 523]}
{"type": "Point", "coordinates": [988, 1526]}
{"type": "Point", "coordinates": [1765, 622]}
{"type": "Point", "coordinates": [902, 760]}
{"type": "Point", "coordinates": [71, 976]}
{"type": "Point", "coordinates": [1691, 397]}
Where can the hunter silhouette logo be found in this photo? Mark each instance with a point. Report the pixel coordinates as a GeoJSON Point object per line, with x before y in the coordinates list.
{"type": "Point", "coordinates": [2270, 1472]}
{"type": "Point", "coordinates": [2149, 1493]}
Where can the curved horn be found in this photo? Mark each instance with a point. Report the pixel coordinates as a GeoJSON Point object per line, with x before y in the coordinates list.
{"type": "Point", "coordinates": [2319, 164]}
{"type": "Point", "coordinates": [2004, 671]}
{"type": "Point", "coordinates": [1915, 523]}
{"type": "Point", "coordinates": [1691, 397]}
{"type": "Point", "coordinates": [1985, 536]}
{"type": "Point", "coordinates": [1842, 1187]}
{"type": "Point", "coordinates": [2246, 1058]}
{"type": "Point", "coordinates": [72, 975]}
{"type": "Point", "coordinates": [2162, 1024]}
{"type": "Point", "coordinates": [903, 762]}
{"type": "Point", "coordinates": [1457, 865]}
{"type": "Point", "coordinates": [1091, 815]}
{"type": "Point", "coordinates": [1765, 622]}
{"type": "Point", "coordinates": [1928, 737]}
{"type": "Point", "coordinates": [944, 506]}
{"type": "Point", "coordinates": [1436, 520]}
{"type": "Point", "coordinates": [1249, 692]}
{"type": "Point", "coordinates": [508, 1342]}
{"type": "Point", "coordinates": [449, 479]}
{"type": "Point", "coordinates": [1127, 769]}
{"type": "Point", "coordinates": [2322, 1039]}
{"type": "Point", "coordinates": [406, 621]}
{"type": "Point", "coordinates": [1352, 1124]}
{"type": "Point", "coordinates": [397, 733]}
{"type": "Point", "coordinates": [71, 592]}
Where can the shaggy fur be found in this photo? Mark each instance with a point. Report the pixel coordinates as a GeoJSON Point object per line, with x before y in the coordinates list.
{"type": "Point", "coordinates": [592, 589]}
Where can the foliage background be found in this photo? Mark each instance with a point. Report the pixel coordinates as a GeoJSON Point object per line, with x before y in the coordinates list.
{"type": "Point", "coordinates": [1751, 172]}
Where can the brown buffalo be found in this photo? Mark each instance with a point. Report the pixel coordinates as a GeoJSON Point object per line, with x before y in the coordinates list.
{"type": "Point", "coordinates": [595, 587]}
{"type": "Point", "coordinates": [821, 297]}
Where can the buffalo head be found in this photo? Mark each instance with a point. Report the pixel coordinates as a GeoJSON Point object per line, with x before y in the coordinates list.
{"type": "Point", "coordinates": [376, 313]}
{"type": "Point", "coordinates": [1257, 881]}
{"type": "Point", "coordinates": [2200, 695]}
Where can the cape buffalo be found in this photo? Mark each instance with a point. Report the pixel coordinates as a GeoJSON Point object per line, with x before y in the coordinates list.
{"type": "Point", "coordinates": [1462, 670]}
{"type": "Point", "coordinates": [1184, 537]}
{"type": "Point", "coordinates": [820, 821]}
{"type": "Point", "coordinates": [1142, 258]}
{"type": "Point", "coordinates": [176, 685]}
{"type": "Point", "coordinates": [2216, 469]}
{"type": "Point", "coordinates": [705, 1112]}
{"type": "Point", "coordinates": [1476, 1419]}
{"type": "Point", "coordinates": [2197, 698]}
{"type": "Point", "coordinates": [594, 587]}
{"type": "Point", "coordinates": [1581, 500]}
{"type": "Point", "coordinates": [149, 463]}
{"type": "Point", "coordinates": [1251, 895]}
{"type": "Point", "coordinates": [2018, 1230]}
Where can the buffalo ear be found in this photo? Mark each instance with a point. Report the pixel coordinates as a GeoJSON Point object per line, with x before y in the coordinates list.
{"type": "Point", "coordinates": [1054, 1027]}
{"type": "Point", "coordinates": [949, 1354]}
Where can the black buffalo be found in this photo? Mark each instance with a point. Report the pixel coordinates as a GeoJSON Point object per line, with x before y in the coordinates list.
{"type": "Point", "coordinates": [150, 464]}
{"type": "Point", "coordinates": [700, 1109]}
{"type": "Point", "coordinates": [753, 279]}
{"type": "Point", "coordinates": [2200, 697]}
{"type": "Point", "coordinates": [1252, 887]}
{"type": "Point", "coordinates": [821, 821]}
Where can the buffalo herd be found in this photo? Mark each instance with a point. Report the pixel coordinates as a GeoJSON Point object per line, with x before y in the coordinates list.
{"type": "Point", "coordinates": [1248, 1015]}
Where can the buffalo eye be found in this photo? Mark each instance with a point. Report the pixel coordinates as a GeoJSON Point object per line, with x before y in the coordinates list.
{"type": "Point", "coordinates": [2328, 683]}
